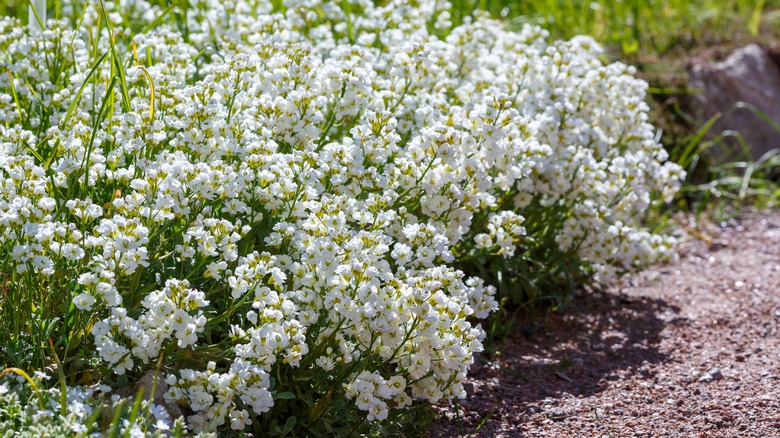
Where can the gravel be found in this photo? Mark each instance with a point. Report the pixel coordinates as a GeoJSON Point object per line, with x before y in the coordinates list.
{"type": "Point", "coordinates": [690, 350]}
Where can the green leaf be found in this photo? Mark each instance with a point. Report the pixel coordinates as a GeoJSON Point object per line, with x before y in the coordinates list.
{"type": "Point", "coordinates": [284, 396]}
{"type": "Point", "coordinates": [288, 426]}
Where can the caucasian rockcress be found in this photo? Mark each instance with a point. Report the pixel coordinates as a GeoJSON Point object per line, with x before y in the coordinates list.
{"type": "Point", "coordinates": [271, 201]}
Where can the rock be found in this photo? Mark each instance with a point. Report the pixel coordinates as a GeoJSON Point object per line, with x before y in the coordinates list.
{"type": "Point", "coordinates": [147, 383]}
{"type": "Point", "coordinates": [557, 414]}
{"type": "Point", "coordinates": [749, 75]}
{"type": "Point", "coordinates": [713, 374]}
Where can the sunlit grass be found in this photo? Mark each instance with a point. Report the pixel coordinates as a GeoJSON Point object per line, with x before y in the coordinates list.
{"type": "Point", "coordinates": [631, 25]}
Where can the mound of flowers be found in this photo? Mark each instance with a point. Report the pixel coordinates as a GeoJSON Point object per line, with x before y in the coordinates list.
{"type": "Point", "coordinates": [294, 211]}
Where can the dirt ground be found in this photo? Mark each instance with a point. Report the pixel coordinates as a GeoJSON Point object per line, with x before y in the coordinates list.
{"type": "Point", "coordinates": [690, 349]}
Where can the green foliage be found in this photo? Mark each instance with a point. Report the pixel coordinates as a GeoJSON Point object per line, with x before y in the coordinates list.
{"type": "Point", "coordinates": [544, 273]}
{"type": "Point", "coordinates": [735, 180]}
{"type": "Point", "coordinates": [630, 25]}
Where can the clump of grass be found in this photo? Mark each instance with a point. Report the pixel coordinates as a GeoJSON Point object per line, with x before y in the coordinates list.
{"type": "Point", "coordinates": [721, 174]}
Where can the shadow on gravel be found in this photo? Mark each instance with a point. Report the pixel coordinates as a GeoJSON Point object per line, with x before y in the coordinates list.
{"type": "Point", "coordinates": [592, 342]}
{"type": "Point", "coordinates": [598, 338]}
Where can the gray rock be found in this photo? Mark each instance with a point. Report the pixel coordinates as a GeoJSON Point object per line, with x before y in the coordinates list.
{"type": "Point", "coordinates": [713, 374]}
{"type": "Point", "coordinates": [748, 75]}
{"type": "Point", "coordinates": [557, 414]}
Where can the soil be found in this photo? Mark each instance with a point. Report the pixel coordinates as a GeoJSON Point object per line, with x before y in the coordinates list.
{"type": "Point", "coordinates": [689, 349]}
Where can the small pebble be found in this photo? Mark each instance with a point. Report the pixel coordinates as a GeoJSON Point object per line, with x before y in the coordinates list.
{"type": "Point", "coordinates": [713, 374]}
{"type": "Point", "coordinates": [557, 414]}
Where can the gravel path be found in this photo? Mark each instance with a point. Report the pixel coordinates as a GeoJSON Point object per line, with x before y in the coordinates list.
{"type": "Point", "coordinates": [690, 350]}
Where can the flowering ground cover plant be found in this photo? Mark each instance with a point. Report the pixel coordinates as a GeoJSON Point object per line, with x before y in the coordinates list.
{"type": "Point", "coordinates": [297, 211]}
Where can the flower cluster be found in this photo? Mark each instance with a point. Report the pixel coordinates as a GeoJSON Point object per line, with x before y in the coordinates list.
{"type": "Point", "coordinates": [210, 395]}
{"type": "Point", "coordinates": [166, 313]}
{"type": "Point", "coordinates": [372, 392]}
{"type": "Point", "coordinates": [285, 188]}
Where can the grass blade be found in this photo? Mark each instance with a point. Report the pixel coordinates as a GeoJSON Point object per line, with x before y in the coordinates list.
{"type": "Point", "coordinates": [76, 99]}
{"type": "Point", "coordinates": [755, 18]}
{"type": "Point", "coordinates": [116, 61]}
{"type": "Point", "coordinates": [29, 380]}
{"type": "Point", "coordinates": [692, 149]}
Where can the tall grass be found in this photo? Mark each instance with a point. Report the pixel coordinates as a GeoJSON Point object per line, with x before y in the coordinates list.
{"type": "Point", "coordinates": [656, 25]}
{"type": "Point", "coordinates": [742, 181]}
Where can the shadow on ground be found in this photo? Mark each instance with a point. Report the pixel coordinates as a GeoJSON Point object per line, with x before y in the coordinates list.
{"type": "Point", "coordinates": [598, 338]}
{"type": "Point", "coordinates": [592, 342]}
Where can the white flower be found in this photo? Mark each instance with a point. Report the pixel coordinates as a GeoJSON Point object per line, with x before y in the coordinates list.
{"type": "Point", "coordinates": [214, 270]}
{"type": "Point", "coordinates": [239, 419]}
{"type": "Point", "coordinates": [483, 240]}
{"type": "Point", "coordinates": [84, 301]}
